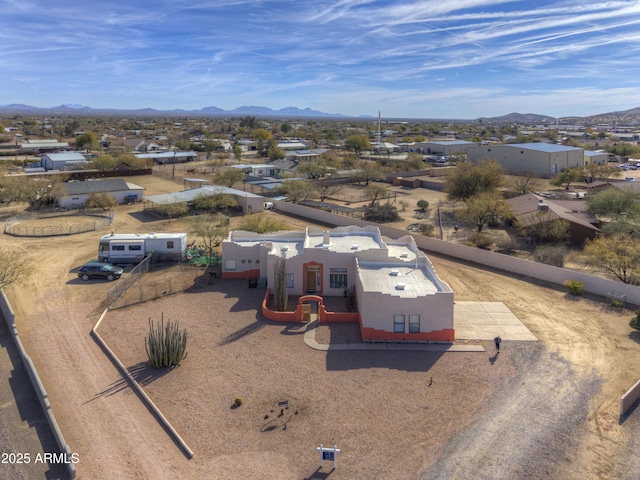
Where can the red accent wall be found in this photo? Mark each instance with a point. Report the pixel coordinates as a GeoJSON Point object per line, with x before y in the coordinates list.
{"type": "Point", "coordinates": [446, 335]}
{"type": "Point", "coordinates": [245, 274]}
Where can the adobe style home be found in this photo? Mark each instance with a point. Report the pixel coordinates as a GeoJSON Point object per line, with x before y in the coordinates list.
{"type": "Point", "coordinates": [398, 295]}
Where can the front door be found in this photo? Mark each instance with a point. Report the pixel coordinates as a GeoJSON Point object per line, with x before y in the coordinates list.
{"type": "Point", "coordinates": [311, 280]}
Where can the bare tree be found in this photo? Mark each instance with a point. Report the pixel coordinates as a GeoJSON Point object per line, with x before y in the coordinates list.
{"type": "Point", "coordinates": [13, 268]}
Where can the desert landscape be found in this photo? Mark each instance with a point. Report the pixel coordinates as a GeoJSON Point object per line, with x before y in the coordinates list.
{"type": "Point", "coordinates": [537, 410]}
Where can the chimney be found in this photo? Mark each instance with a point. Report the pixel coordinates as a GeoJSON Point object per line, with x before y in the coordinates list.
{"type": "Point", "coordinates": [326, 237]}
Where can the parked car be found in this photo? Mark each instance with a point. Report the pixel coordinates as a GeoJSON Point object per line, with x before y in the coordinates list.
{"type": "Point", "coordinates": [99, 270]}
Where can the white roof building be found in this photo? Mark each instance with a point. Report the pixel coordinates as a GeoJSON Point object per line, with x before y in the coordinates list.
{"type": "Point", "coordinates": [399, 296]}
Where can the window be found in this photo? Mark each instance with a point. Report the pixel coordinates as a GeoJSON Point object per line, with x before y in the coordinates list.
{"type": "Point", "coordinates": [169, 243]}
{"type": "Point", "coordinates": [289, 280]}
{"type": "Point", "coordinates": [337, 278]}
{"type": "Point", "coordinates": [258, 261]}
{"type": "Point", "coordinates": [244, 261]}
{"type": "Point", "coordinates": [414, 323]}
{"type": "Point", "coordinates": [249, 261]}
{"type": "Point", "coordinates": [135, 247]}
{"type": "Point", "coordinates": [117, 248]}
{"type": "Point", "coordinates": [229, 264]}
{"type": "Point", "coordinates": [398, 323]}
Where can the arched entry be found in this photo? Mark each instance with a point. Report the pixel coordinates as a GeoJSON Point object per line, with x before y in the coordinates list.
{"type": "Point", "coordinates": [302, 313]}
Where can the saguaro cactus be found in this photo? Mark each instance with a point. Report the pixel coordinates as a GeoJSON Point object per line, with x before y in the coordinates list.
{"type": "Point", "coordinates": [166, 346]}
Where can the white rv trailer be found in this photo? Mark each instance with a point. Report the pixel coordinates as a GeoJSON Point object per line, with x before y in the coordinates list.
{"type": "Point", "coordinates": [134, 247]}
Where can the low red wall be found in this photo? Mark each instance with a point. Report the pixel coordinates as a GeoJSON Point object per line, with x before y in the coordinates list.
{"type": "Point", "coordinates": [372, 334]}
{"type": "Point", "coordinates": [288, 317]}
{"type": "Point", "coordinates": [340, 317]}
{"type": "Point", "coordinates": [245, 274]}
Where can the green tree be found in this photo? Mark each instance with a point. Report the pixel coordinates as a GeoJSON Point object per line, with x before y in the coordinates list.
{"type": "Point", "coordinates": [183, 145]}
{"type": "Point", "coordinates": [103, 163]}
{"type": "Point", "coordinates": [214, 203]}
{"type": "Point", "coordinates": [367, 173]}
{"type": "Point", "coordinates": [624, 150]}
{"type": "Point", "coordinates": [237, 152]}
{"type": "Point", "coordinates": [229, 177]}
{"type": "Point", "coordinates": [595, 171]}
{"type": "Point", "coordinates": [88, 141]}
{"type": "Point", "coordinates": [414, 161]}
{"type": "Point", "coordinates": [285, 128]}
{"type": "Point", "coordinates": [468, 180]}
{"type": "Point", "coordinates": [312, 169]}
{"type": "Point", "coordinates": [325, 189]}
{"type": "Point", "coordinates": [100, 200]}
{"type": "Point", "coordinates": [172, 210]}
{"type": "Point", "coordinates": [275, 152]}
{"type": "Point", "coordinates": [210, 146]}
{"type": "Point", "coordinates": [484, 208]}
{"type": "Point", "coordinates": [296, 190]}
{"type": "Point", "coordinates": [617, 254]}
{"type": "Point", "coordinates": [615, 203]}
{"type": "Point", "coordinates": [211, 229]}
{"type": "Point", "coordinates": [567, 176]}
{"type": "Point", "coordinates": [261, 223]}
{"type": "Point", "coordinates": [262, 138]}
{"type": "Point", "coordinates": [422, 205]}
{"type": "Point", "coordinates": [357, 143]}
{"type": "Point", "coordinates": [249, 122]}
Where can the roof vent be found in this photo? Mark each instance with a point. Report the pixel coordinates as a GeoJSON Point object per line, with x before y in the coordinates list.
{"type": "Point", "coordinates": [394, 273]}
{"type": "Point", "coordinates": [404, 255]}
{"type": "Point", "coordinates": [400, 286]}
{"type": "Point", "coordinates": [354, 246]}
{"type": "Point", "coordinates": [543, 207]}
{"type": "Point", "coordinates": [284, 249]}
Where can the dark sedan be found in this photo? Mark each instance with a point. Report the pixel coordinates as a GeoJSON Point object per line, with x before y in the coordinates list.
{"type": "Point", "coordinates": [99, 270]}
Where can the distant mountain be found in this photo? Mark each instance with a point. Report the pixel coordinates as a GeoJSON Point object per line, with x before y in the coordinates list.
{"type": "Point", "coordinates": [626, 117]}
{"type": "Point", "coordinates": [519, 118]}
{"type": "Point", "coordinates": [211, 110]}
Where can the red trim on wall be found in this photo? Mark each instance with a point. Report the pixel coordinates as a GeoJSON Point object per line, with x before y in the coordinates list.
{"type": "Point", "coordinates": [245, 274]}
{"type": "Point", "coordinates": [373, 334]}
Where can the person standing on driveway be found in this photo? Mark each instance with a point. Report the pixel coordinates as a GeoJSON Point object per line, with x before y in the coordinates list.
{"type": "Point", "coordinates": [497, 341]}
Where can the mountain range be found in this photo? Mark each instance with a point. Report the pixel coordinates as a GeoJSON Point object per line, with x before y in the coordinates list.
{"type": "Point", "coordinates": [246, 110]}
{"type": "Point", "coordinates": [627, 117]}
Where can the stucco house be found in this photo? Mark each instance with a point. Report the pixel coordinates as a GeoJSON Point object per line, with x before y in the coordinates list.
{"type": "Point", "coordinates": [77, 193]}
{"type": "Point", "coordinates": [398, 295]}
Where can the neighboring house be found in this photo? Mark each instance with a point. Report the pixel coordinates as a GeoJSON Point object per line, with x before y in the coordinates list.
{"type": "Point", "coordinates": [300, 155]}
{"type": "Point", "coordinates": [247, 202]}
{"type": "Point", "coordinates": [531, 209]}
{"type": "Point", "coordinates": [42, 146]}
{"type": "Point", "coordinates": [544, 159]}
{"type": "Point", "coordinates": [398, 295]}
{"type": "Point", "coordinates": [260, 170]}
{"type": "Point", "coordinates": [77, 193]}
{"type": "Point", "coordinates": [62, 161]}
{"type": "Point", "coordinates": [147, 146]}
{"type": "Point", "coordinates": [169, 157]}
{"type": "Point", "coordinates": [443, 148]}
{"type": "Point", "coordinates": [286, 146]}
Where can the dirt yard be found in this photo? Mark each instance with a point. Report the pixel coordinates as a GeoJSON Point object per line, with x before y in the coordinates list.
{"type": "Point", "coordinates": [542, 410]}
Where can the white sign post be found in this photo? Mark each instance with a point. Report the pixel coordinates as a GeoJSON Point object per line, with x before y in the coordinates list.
{"type": "Point", "coordinates": [328, 454]}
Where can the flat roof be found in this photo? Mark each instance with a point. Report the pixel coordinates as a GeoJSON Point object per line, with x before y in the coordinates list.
{"type": "Point", "coordinates": [543, 147]}
{"type": "Point", "coordinates": [385, 278]}
{"type": "Point", "coordinates": [188, 195]}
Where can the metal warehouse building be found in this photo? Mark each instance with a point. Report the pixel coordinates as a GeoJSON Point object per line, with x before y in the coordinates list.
{"type": "Point", "coordinates": [545, 159]}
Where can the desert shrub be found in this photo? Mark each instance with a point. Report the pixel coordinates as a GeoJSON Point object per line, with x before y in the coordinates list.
{"type": "Point", "coordinates": [575, 287]}
{"type": "Point", "coordinates": [403, 205]}
{"type": "Point", "coordinates": [238, 401]}
{"type": "Point", "coordinates": [635, 321]}
{"type": "Point", "coordinates": [381, 213]}
{"type": "Point", "coordinates": [507, 245]}
{"type": "Point", "coordinates": [551, 255]}
{"type": "Point", "coordinates": [350, 298]}
{"type": "Point", "coordinates": [480, 240]}
{"type": "Point", "coordinates": [426, 229]}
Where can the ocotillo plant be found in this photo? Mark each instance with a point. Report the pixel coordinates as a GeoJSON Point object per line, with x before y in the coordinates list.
{"type": "Point", "coordinates": [165, 346]}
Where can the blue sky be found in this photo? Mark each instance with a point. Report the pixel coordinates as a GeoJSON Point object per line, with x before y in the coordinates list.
{"type": "Point", "coordinates": [410, 59]}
